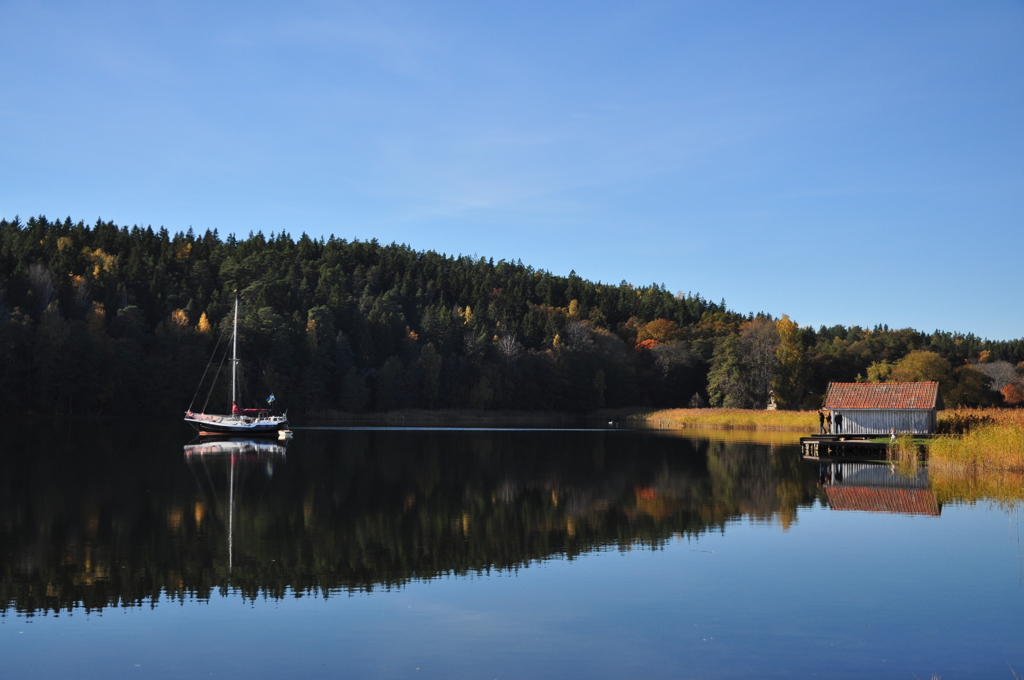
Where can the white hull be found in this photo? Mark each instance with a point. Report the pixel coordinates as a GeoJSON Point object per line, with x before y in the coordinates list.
{"type": "Point", "coordinates": [240, 424]}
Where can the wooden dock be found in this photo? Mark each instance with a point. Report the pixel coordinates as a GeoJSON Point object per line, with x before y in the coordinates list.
{"type": "Point", "coordinates": [838, 446]}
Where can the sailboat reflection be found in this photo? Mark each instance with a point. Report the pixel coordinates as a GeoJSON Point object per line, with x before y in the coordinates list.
{"type": "Point", "coordinates": [235, 447]}
{"type": "Point", "coordinates": [238, 453]}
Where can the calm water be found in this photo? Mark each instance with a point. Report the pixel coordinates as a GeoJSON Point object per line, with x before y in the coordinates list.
{"type": "Point", "coordinates": [491, 554]}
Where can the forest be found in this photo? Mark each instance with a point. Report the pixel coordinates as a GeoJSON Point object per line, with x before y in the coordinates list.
{"type": "Point", "coordinates": [107, 320]}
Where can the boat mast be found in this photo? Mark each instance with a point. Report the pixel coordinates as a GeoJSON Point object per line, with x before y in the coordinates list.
{"type": "Point", "coordinates": [234, 360]}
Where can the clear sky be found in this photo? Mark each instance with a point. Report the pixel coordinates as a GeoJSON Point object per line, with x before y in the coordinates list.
{"type": "Point", "coordinates": [857, 163]}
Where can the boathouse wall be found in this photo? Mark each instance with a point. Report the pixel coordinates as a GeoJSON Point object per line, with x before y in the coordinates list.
{"type": "Point", "coordinates": [881, 421]}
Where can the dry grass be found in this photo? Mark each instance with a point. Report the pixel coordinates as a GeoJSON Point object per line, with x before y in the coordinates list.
{"type": "Point", "coordinates": [972, 440]}
{"type": "Point", "coordinates": [1002, 487]}
{"type": "Point", "coordinates": [989, 447]}
{"type": "Point", "coordinates": [993, 440]}
{"type": "Point", "coordinates": [733, 419]}
{"type": "Point", "coordinates": [963, 420]}
{"type": "Point", "coordinates": [999, 416]}
{"type": "Point", "coordinates": [905, 453]}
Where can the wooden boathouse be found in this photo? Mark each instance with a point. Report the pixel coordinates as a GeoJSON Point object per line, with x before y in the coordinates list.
{"type": "Point", "coordinates": [876, 408]}
{"type": "Point", "coordinates": [862, 412]}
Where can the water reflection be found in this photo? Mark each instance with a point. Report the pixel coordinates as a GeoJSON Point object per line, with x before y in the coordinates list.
{"type": "Point", "coordinates": [206, 448]}
{"type": "Point", "coordinates": [122, 518]}
{"type": "Point", "coordinates": [874, 487]}
{"type": "Point", "coordinates": [235, 453]}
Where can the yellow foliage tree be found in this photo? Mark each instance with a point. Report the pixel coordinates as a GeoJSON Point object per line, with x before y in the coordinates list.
{"type": "Point", "coordinates": [102, 263]}
{"type": "Point", "coordinates": [922, 366]}
{"type": "Point", "coordinates": [661, 330]}
{"type": "Point", "coordinates": [791, 372]}
{"type": "Point", "coordinates": [176, 324]}
{"type": "Point", "coordinates": [880, 371]}
{"type": "Point", "coordinates": [925, 366]}
{"type": "Point", "coordinates": [179, 318]}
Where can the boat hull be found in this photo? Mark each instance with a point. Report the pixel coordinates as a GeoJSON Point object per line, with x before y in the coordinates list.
{"type": "Point", "coordinates": [226, 425]}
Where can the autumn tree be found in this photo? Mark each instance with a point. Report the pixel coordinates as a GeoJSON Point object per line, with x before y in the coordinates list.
{"type": "Point", "coordinates": [759, 341]}
{"type": "Point", "coordinates": [880, 371]}
{"type": "Point", "coordinates": [922, 366]}
{"type": "Point", "coordinates": [1013, 394]}
{"type": "Point", "coordinates": [659, 330]}
{"type": "Point", "coordinates": [790, 377]}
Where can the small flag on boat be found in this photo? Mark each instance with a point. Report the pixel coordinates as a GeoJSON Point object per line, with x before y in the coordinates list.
{"type": "Point", "coordinates": [271, 399]}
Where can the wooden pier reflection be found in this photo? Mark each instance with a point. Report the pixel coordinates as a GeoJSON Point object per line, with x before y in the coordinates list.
{"type": "Point", "coordinates": [878, 487]}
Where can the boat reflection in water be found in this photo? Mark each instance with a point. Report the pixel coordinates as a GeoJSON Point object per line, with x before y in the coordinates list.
{"type": "Point", "coordinates": [237, 452]}
{"type": "Point", "coordinates": [235, 447]}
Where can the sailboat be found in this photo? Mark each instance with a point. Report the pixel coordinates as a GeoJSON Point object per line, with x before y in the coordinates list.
{"type": "Point", "coordinates": [241, 421]}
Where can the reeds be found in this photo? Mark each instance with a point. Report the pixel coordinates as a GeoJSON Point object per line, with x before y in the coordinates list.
{"type": "Point", "coordinates": [971, 439]}
{"type": "Point", "coordinates": [984, 440]}
{"type": "Point", "coordinates": [963, 420]}
{"type": "Point", "coordinates": [904, 453]}
{"type": "Point", "coordinates": [733, 419]}
{"type": "Point", "coordinates": [998, 486]}
{"type": "Point", "coordinates": [995, 446]}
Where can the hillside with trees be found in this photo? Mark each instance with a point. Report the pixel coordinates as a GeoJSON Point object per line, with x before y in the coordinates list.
{"type": "Point", "coordinates": [106, 319]}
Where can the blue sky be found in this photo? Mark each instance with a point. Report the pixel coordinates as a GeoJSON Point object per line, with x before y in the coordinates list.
{"type": "Point", "coordinates": [855, 163]}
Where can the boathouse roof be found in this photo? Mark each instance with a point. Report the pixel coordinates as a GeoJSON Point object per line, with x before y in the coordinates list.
{"type": "Point", "coordinates": [893, 395]}
{"type": "Point", "coordinates": [899, 501]}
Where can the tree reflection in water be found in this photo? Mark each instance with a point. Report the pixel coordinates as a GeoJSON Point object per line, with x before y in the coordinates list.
{"type": "Point", "coordinates": [114, 518]}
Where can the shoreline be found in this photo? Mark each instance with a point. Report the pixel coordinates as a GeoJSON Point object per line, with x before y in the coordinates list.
{"type": "Point", "coordinates": [980, 439]}
{"type": "Point", "coordinates": [456, 417]}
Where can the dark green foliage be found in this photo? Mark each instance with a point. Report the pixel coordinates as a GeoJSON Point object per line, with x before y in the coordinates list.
{"type": "Point", "coordinates": [107, 320]}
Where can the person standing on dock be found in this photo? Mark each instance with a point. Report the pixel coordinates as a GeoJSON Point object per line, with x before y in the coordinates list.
{"type": "Point", "coordinates": [839, 422]}
{"type": "Point", "coordinates": [828, 423]}
{"type": "Point", "coordinates": [821, 422]}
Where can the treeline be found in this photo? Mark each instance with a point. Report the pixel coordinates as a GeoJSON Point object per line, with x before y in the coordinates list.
{"type": "Point", "coordinates": [105, 319]}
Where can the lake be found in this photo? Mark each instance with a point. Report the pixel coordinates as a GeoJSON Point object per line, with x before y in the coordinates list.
{"type": "Point", "coordinates": [383, 553]}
